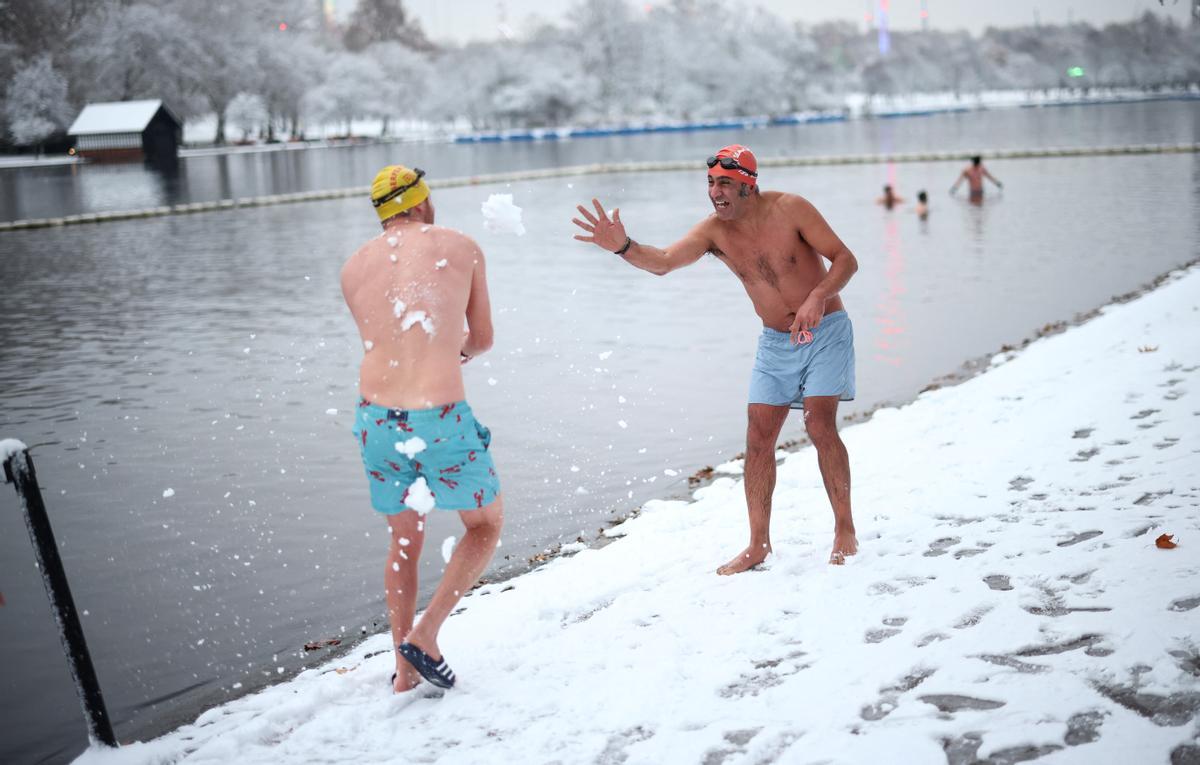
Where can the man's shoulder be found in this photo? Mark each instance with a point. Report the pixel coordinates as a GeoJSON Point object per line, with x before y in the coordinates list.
{"type": "Point", "coordinates": [782, 197]}
{"type": "Point", "coordinates": [788, 203]}
{"type": "Point", "coordinates": [449, 237]}
{"type": "Point", "coordinates": [360, 253]}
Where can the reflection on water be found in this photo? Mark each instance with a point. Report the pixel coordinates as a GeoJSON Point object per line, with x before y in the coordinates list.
{"type": "Point", "coordinates": [202, 354]}
{"type": "Point", "coordinates": [892, 342]}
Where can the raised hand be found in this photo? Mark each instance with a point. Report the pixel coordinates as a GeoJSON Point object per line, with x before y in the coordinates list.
{"type": "Point", "coordinates": [601, 231]}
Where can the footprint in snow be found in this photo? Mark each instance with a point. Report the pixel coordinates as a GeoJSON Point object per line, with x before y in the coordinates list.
{"type": "Point", "coordinates": [997, 582]}
{"type": "Point", "coordinates": [939, 546]}
{"type": "Point", "coordinates": [1080, 537]}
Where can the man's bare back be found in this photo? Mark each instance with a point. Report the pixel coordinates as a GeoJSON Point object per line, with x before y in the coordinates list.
{"type": "Point", "coordinates": [775, 263]}
{"type": "Point", "coordinates": [409, 290]}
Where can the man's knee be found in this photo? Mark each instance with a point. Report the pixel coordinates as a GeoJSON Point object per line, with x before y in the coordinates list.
{"type": "Point", "coordinates": [486, 520]}
{"type": "Point", "coordinates": [821, 428]}
{"type": "Point", "coordinates": [762, 429]}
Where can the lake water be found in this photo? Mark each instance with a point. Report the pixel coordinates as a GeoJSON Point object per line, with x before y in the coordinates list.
{"type": "Point", "coordinates": [201, 354]}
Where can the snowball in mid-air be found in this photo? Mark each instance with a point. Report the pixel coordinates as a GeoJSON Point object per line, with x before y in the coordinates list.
{"type": "Point", "coordinates": [501, 216]}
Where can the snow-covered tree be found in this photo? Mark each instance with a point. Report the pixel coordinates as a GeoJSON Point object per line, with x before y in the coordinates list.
{"type": "Point", "coordinates": [376, 21]}
{"type": "Point", "coordinates": [223, 59]}
{"type": "Point", "coordinates": [609, 47]}
{"type": "Point", "coordinates": [611, 60]}
{"type": "Point", "coordinates": [289, 66]}
{"type": "Point", "coordinates": [133, 51]}
{"type": "Point", "coordinates": [247, 112]}
{"type": "Point", "coordinates": [351, 90]}
{"type": "Point", "coordinates": [400, 87]}
{"type": "Point", "coordinates": [36, 103]}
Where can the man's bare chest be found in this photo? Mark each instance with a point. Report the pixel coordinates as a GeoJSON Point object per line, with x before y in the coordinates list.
{"type": "Point", "coordinates": [765, 263]}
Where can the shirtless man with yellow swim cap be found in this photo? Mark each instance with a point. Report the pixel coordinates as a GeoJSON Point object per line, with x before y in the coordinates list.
{"type": "Point", "coordinates": [410, 290]}
{"type": "Point", "coordinates": [777, 245]}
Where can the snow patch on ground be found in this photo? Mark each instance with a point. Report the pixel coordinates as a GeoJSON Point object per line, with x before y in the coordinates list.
{"type": "Point", "coordinates": [1008, 601]}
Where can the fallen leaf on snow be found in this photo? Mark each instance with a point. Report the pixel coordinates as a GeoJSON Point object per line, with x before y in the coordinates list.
{"type": "Point", "coordinates": [1164, 542]}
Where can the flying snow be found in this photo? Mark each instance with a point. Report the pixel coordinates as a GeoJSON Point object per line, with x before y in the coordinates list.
{"type": "Point", "coordinates": [501, 216]}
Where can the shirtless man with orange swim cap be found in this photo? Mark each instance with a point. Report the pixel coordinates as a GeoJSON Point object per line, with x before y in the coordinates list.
{"type": "Point", "coordinates": [410, 290]}
{"type": "Point", "coordinates": [774, 242]}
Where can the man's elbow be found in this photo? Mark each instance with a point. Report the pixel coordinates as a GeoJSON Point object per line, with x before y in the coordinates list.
{"type": "Point", "coordinates": [483, 340]}
{"type": "Point", "coordinates": [479, 340]}
{"type": "Point", "coordinates": [660, 267]}
{"type": "Point", "coordinates": [851, 262]}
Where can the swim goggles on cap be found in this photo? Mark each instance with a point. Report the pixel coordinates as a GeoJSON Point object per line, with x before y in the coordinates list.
{"type": "Point", "coordinates": [398, 191]}
{"type": "Point", "coordinates": [729, 163]}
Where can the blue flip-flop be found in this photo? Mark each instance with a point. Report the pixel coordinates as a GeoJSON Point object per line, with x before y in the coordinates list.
{"type": "Point", "coordinates": [435, 671]}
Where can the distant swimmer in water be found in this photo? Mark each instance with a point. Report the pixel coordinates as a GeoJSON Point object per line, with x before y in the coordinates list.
{"type": "Point", "coordinates": [889, 198]}
{"type": "Point", "coordinates": [922, 205]}
{"type": "Point", "coordinates": [777, 245]}
{"type": "Point", "coordinates": [974, 176]}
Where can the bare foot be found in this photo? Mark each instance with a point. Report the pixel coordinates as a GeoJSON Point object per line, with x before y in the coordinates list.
{"type": "Point", "coordinates": [406, 677]}
{"type": "Point", "coordinates": [844, 544]}
{"type": "Point", "coordinates": [746, 560]}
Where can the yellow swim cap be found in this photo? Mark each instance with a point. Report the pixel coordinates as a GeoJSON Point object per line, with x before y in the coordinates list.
{"type": "Point", "coordinates": [396, 189]}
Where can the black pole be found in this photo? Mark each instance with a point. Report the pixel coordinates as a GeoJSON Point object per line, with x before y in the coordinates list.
{"type": "Point", "coordinates": [18, 469]}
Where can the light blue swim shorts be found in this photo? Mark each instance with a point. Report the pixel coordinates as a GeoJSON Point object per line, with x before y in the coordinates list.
{"type": "Point", "coordinates": [785, 373]}
{"type": "Point", "coordinates": [453, 459]}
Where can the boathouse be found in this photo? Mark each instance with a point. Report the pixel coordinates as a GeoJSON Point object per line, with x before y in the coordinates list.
{"type": "Point", "coordinates": [125, 131]}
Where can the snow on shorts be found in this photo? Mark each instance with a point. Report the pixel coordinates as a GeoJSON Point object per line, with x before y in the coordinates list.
{"type": "Point", "coordinates": [784, 374]}
{"type": "Point", "coordinates": [454, 460]}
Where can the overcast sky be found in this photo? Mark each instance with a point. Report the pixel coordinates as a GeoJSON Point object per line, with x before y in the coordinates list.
{"type": "Point", "coordinates": [461, 20]}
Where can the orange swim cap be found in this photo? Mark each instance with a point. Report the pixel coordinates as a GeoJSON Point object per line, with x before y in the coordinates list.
{"type": "Point", "coordinates": [742, 164]}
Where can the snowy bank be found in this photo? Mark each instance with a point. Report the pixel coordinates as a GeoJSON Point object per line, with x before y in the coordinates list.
{"type": "Point", "coordinates": [1009, 600]}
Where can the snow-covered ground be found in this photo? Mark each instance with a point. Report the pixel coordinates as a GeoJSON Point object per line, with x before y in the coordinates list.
{"type": "Point", "coordinates": [1009, 600]}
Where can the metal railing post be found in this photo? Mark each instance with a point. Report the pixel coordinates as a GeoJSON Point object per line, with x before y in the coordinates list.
{"type": "Point", "coordinates": [18, 470]}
